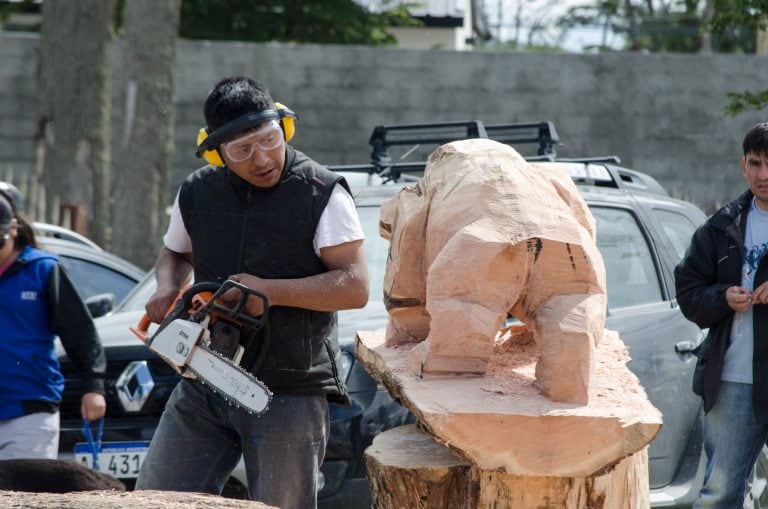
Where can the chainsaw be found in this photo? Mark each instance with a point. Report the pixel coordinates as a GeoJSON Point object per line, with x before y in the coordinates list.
{"type": "Point", "coordinates": [200, 338]}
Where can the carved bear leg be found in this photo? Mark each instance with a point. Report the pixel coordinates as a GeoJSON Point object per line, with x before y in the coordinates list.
{"type": "Point", "coordinates": [471, 286]}
{"type": "Point", "coordinates": [566, 333]}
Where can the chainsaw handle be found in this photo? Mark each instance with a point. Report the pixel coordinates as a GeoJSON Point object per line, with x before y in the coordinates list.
{"type": "Point", "coordinates": [185, 301]}
{"type": "Point", "coordinates": [236, 312]}
{"type": "Point", "coordinates": [184, 304]}
{"type": "Point", "coordinates": [144, 323]}
{"type": "Point", "coordinates": [142, 328]}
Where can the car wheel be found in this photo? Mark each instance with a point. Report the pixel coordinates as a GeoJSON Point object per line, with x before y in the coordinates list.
{"type": "Point", "coordinates": [757, 492]}
{"type": "Point", "coordinates": [234, 489]}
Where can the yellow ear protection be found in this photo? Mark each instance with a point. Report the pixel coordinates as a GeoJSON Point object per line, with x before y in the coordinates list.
{"type": "Point", "coordinates": [287, 120]}
{"type": "Point", "coordinates": [207, 144]}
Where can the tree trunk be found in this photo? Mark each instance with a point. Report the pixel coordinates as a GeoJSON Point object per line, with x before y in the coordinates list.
{"type": "Point", "coordinates": [145, 145]}
{"type": "Point", "coordinates": [75, 110]}
{"type": "Point", "coordinates": [762, 38]}
{"type": "Point", "coordinates": [706, 34]}
{"type": "Point", "coordinates": [634, 38]}
{"type": "Point", "coordinates": [407, 467]}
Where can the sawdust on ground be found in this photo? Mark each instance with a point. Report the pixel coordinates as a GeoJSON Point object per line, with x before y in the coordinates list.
{"type": "Point", "coordinates": [122, 500]}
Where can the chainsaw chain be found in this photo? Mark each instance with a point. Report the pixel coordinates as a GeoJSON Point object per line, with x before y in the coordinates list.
{"type": "Point", "coordinates": [225, 396]}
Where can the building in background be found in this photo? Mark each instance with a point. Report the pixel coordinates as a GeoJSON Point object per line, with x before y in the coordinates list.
{"type": "Point", "coordinates": [446, 24]}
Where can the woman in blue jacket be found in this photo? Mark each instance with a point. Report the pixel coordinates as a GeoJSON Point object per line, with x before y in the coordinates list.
{"type": "Point", "coordinates": [37, 303]}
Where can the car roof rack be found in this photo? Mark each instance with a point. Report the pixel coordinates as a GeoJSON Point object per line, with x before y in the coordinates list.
{"type": "Point", "coordinates": [603, 159]}
{"type": "Point", "coordinates": [438, 133]}
{"type": "Point", "coordinates": [598, 171]}
{"type": "Point", "coordinates": [521, 133]}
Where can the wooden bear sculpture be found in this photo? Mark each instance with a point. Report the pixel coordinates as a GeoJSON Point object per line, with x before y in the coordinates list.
{"type": "Point", "coordinates": [483, 235]}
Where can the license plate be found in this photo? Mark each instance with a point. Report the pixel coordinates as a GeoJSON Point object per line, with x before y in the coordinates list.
{"type": "Point", "coordinates": [118, 459]}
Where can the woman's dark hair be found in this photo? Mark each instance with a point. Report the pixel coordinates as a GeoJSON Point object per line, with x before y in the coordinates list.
{"type": "Point", "coordinates": [756, 140]}
{"type": "Point", "coordinates": [233, 97]}
{"type": "Point", "coordinates": [26, 234]}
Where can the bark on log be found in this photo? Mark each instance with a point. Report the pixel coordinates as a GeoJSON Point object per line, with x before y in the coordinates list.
{"type": "Point", "coordinates": [408, 468]}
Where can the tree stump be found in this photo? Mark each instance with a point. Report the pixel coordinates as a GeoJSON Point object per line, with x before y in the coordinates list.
{"type": "Point", "coordinates": [512, 446]}
{"type": "Point", "coordinates": [407, 467]}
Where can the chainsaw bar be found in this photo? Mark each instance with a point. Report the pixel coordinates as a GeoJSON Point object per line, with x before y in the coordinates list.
{"type": "Point", "coordinates": [229, 381]}
{"type": "Point", "coordinates": [182, 340]}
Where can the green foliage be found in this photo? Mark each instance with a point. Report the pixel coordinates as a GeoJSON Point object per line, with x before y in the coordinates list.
{"type": "Point", "coordinates": [678, 26]}
{"type": "Point", "coordinates": [675, 26]}
{"type": "Point", "coordinates": [750, 14]}
{"type": "Point", "coordinates": [682, 33]}
{"type": "Point", "coordinates": [739, 102]}
{"type": "Point", "coordinates": [8, 8]}
{"type": "Point", "coordinates": [318, 21]}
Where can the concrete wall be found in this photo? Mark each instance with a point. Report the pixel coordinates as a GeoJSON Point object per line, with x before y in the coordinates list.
{"type": "Point", "coordinates": [662, 114]}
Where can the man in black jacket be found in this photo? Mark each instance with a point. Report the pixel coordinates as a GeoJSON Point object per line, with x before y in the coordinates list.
{"type": "Point", "coordinates": [722, 284]}
{"type": "Point", "coordinates": [266, 215]}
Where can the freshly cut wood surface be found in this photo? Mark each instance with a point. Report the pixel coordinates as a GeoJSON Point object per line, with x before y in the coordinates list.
{"type": "Point", "coordinates": [501, 421]}
{"type": "Point", "coordinates": [407, 467]}
{"type": "Point", "coordinates": [484, 234]}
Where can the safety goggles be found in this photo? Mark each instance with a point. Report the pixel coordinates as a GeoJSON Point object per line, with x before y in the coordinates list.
{"type": "Point", "coordinates": [266, 138]}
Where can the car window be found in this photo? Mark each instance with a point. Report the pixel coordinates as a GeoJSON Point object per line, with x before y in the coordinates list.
{"type": "Point", "coordinates": [376, 250]}
{"type": "Point", "coordinates": [137, 299]}
{"type": "Point", "coordinates": [678, 229]}
{"type": "Point", "coordinates": [631, 274]}
{"type": "Point", "coordinates": [91, 278]}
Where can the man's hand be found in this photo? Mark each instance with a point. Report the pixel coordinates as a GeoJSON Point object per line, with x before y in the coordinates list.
{"type": "Point", "coordinates": [760, 295]}
{"type": "Point", "coordinates": [739, 298]}
{"type": "Point", "coordinates": [93, 406]}
{"type": "Point", "coordinates": [172, 272]}
{"type": "Point", "coordinates": [253, 306]}
{"type": "Point", "coordinates": [160, 303]}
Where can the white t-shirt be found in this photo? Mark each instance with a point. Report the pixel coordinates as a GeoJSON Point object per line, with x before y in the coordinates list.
{"type": "Point", "coordinates": [338, 224]}
{"type": "Point", "coordinates": [737, 366]}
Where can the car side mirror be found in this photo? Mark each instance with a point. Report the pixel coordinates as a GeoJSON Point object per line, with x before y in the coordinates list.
{"type": "Point", "coordinates": [101, 304]}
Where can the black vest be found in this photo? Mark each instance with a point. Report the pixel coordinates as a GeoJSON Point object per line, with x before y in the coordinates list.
{"type": "Point", "coordinates": [236, 227]}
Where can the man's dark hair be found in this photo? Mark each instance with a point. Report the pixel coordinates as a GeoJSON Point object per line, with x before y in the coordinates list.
{"type": "Point", "coordinates": [756, 140]}
{"type": "Point", "coordinates": [233, 97]}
